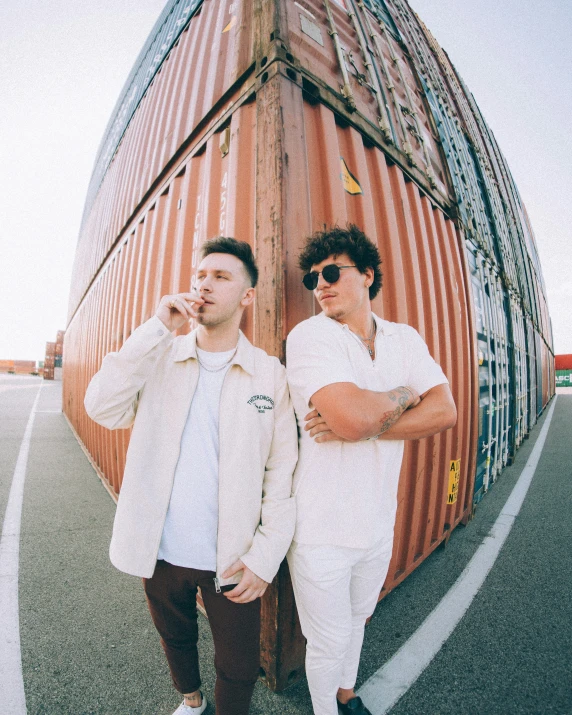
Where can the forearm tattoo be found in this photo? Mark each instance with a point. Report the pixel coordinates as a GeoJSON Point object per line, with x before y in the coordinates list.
{"type": "Point", "coordinates": [403, 397]}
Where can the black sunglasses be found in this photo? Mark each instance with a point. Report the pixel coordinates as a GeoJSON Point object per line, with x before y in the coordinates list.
{"type": "Point", "coordinates": [331, 274]}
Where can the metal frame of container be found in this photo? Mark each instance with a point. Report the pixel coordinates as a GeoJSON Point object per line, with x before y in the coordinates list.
{"type": "Point", "coordinates": [318, 113]}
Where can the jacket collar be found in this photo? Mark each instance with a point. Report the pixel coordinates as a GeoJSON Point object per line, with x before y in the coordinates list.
{"type": "Point", "coordinates": [185, 347]}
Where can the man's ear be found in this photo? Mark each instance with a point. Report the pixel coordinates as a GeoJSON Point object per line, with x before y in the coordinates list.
{"type": "Point", "coordinates": [248, 297]}
{"type": "Point", "coordinates": [370, 275]}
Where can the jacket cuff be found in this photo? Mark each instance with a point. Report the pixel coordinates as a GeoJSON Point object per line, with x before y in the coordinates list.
{"type": "Point", "coordinates": [264, 571]}
{"type": "Point", "coordinates": [145, 338]}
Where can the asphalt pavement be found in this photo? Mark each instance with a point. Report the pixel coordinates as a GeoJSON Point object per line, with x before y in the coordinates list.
{"type": "Point", "coordinates": [88, 645]}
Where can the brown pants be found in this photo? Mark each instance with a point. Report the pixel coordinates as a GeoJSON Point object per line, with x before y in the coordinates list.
{"type": "Point", "coordinates": [171, 597]}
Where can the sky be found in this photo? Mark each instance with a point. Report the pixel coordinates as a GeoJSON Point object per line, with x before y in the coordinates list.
{"type": "Point", "coordinates": [65, 63]}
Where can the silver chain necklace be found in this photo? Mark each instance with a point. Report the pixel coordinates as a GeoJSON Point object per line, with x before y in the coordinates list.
{"type": "Point", "coordinates": [365, 341]}
{"type": "Point", "coordinates": [217, 369]}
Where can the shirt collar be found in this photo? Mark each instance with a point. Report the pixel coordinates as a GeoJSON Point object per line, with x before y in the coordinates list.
{"type": "Point", "coordinates": [383, 327]}
{"type": "Point", "coordinates": [186, 347]}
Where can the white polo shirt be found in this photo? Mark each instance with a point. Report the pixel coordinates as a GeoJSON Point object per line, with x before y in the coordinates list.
{"type": "Point", "coordinates": [346, 492]}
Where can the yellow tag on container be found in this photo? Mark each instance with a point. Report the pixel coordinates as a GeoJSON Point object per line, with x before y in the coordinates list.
{"type": "Point", "coordinates": [454, 474]}
{"type": "Point", "coordinates": [230, 25]}
{"type": "Point", "coordinates": [351, 184]}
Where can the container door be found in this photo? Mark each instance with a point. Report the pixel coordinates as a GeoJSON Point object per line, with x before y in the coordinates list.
{"type": "Point", "coordinates": [484, 370]}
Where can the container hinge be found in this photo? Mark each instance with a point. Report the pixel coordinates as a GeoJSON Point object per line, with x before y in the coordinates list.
{"type": "Point", "coordinates": [408, 151]}
{"type": "Point", "coordinates": [347, 94]}
{"type": "Point", "coordinates": [431, 177]}
{"type": "Point", "coordinates": [385, 129]}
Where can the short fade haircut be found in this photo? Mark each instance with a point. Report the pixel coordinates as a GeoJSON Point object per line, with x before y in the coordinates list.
{"type": "Point", "coordinates": [350, 240]}
{"type": "Point", "coordinates": [240, 249]}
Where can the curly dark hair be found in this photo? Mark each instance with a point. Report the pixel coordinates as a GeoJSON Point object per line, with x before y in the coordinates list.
{"type": "Point", "coordinates": [350, 240]}
{"type": "Point", "coordinates": [240, 249]}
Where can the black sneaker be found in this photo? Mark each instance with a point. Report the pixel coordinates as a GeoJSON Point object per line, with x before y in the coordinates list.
{"type": "Point", "coordinates": [354, 706]}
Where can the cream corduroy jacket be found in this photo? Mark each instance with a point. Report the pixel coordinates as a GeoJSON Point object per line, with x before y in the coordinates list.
{"type": "Point", "coordinates": [149, 384]}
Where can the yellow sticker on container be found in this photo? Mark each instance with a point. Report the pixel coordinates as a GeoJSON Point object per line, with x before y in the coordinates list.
{"type": "Point", "coordinates": [230, 25]}
{"type": "Point", "coordinates": [454, 474]}
{"type": "Point", "coordinates": [351, 184]}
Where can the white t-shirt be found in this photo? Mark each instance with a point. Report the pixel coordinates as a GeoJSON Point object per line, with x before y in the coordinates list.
{"type": "Point", "coordinates": [190, 532]}
{"type": "Point", "coordinates": [346, 492]}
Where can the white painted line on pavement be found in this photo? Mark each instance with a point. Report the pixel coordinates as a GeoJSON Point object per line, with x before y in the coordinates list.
{"type": "Point", "coordinates": [12, 697]}
{"type": "Point", "coordinates": [6, 388]}
{"type": "Point", "coordinates": [385, 687]}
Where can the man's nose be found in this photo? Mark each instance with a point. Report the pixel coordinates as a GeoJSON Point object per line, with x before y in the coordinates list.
{"type": "Point", "coordinates": [322, 282]}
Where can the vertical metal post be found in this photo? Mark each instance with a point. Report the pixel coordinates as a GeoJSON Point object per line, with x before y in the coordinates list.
{"type": "Point", "coordinates": [411, 108]}
{"type": "Point", "coordinates": [481, 269]}
{"type": "Point", "coordinates": [383, 119]}
{"type": "Point", "coordinates": [346, 89]}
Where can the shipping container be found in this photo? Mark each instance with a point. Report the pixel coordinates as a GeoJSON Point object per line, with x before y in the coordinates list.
{"type": "Point", "coordinates": [18, 367]}
{"type": "Point", "coordinates": [267, 121]}
{"type": "Point", "coordinates": [6, 365]}
{"type": "Point", "coordinates": [564, 378]}
{"type": "Point", "coordinates": [563, 362]}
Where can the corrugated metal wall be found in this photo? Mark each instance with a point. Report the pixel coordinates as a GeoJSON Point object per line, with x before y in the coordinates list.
{"type": "Point", "coordinates": [192, 89]}
{"type": "Point", "coordinates": [267, 121]}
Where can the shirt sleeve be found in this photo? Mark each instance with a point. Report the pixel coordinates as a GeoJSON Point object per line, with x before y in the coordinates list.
{"type": "Point", "coordinates": [315, 357]}
{"type": "Point", "coordinates": [424, 372]}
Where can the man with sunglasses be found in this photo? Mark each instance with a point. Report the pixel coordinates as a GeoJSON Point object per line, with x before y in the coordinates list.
{"type": "Point", "coordinates": [360, 386]}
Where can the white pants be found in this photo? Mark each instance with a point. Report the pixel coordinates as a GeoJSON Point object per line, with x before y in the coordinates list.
{"type": "Point", "coordinates": [336, 590]}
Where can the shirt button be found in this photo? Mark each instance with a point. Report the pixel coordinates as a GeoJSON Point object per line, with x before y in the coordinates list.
{"type": "Point", "coordinates": [160, 332]}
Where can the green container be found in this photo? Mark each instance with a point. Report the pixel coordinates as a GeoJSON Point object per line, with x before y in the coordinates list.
{"type": "Point", "coordinates": [563, 378]}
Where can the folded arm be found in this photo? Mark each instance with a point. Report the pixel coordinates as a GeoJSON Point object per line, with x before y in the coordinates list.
{"type": "Point", "coordinates": [346, 412]}
{"type": "Point", "coordinates": [436, 412]}
{"type": "Point", "coordinates": [355, 414]}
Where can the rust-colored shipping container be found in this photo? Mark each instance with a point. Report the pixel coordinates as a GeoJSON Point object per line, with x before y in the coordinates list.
{"type": "Point", "coordinates": [6, 365]}
{"type": "Point", "coordinates": [266, 121]}
{"type": "Point", "coordinates": [23, 367]}
{"type": "Point", "coordinates": [563, 362]}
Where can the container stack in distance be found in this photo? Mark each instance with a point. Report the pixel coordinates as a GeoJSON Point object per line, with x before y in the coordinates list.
{"type": "Point", "coordinates": [53, 361]}
{"type": "Point", "coordinates": [18, 367]}
{"type": "Point", "coordinates": [267, 120]}
{"type": "Point", "coordinates": [563, 366]}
